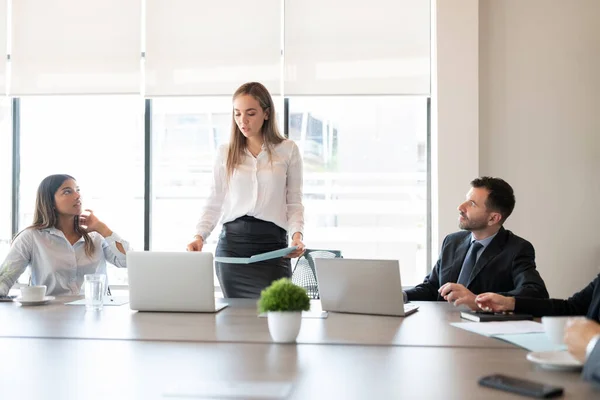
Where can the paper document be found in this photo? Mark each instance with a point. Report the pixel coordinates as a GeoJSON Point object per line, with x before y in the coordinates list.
{"type": "Point", "coordinates": [500, 328]}
{"type": "Point", "coordinates": [532, 341]}
{"type": "Point", "coordinates": [258, 257]}
{"type": "Point", "coordinates": [108, 301]}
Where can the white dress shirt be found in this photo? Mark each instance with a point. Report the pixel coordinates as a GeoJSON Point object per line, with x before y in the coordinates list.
{"type": "Point", "coordinates": [258, 188]}
{"type": "Point", "coordinates": [55, 262]}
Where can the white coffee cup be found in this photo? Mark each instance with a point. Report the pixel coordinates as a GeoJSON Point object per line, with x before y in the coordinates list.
{"type": "Point", "coordinates": [555, 329]}
{"type": "Point", "coordinates": [33, 293]}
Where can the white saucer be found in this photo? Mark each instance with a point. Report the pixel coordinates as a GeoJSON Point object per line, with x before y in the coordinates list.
{"type": "Point", "coordinates": [557, 360]}
{"type": "Point", "coordinates": [45, 300]}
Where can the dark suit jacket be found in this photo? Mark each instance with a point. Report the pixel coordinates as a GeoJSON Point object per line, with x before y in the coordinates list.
{"type": "Point", "coordinates": [506, 266]}
{"type": "Point", "coordinates": [586, 302]}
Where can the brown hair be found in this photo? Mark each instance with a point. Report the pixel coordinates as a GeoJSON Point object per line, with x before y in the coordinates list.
{"type": "Point", "coordinates": [46, 216]}
{"type": "Point", "coordinates": [270, 133]}
{"type": "Point", "coordinates": [501, 197]}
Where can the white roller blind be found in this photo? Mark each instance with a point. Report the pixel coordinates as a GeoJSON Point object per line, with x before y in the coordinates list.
{"type": "Point", "coordinates": [75, 47]}
{"type": "Point", "coordinates": [357, 47]}
{"type": "Point", "coordinates": [199, 47]}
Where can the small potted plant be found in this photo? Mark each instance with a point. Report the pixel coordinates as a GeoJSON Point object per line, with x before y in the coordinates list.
{"type": "Point", "coordinates": [284, 302]}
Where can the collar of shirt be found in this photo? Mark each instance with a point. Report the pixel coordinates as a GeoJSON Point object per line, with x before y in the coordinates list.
{"type": "Point", "coordinates": [57, 232]}
{"type": "Point", "coordinates": [262, 148]}
{"type": "Point", "coordinates": [484, 242]}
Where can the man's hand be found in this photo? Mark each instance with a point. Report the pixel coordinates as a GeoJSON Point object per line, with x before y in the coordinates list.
{"type": "Point", "coordinates": [578, 334]}
{"type": "Point", "coordinates": [495, 302]}
{"type": "Point", "coordinates": [458, 294]}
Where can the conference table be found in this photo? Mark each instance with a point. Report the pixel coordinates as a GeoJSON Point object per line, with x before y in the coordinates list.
{"type": "Point", "coordinates": [61, 351]}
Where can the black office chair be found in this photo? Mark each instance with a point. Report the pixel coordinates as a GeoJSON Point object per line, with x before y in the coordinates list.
{"type": "Point", "coordinates": [304, 274]}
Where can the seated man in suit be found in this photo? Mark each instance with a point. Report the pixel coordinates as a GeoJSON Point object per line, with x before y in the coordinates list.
{"type": "Point", "coordinates": [483, 257]}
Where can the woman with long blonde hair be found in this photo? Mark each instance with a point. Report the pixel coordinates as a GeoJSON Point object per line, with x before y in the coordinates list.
{"type": "Point", "coordinates": [63, 244]}
{"type": "Point", "coordinates": [257, 193]}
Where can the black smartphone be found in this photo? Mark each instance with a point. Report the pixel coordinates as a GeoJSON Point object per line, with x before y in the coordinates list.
{"type": "Point", "coordinates": [521, 386]}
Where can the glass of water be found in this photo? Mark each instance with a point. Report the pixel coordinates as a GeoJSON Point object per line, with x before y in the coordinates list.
{"type": "Point", "coordinates": [94, 286]}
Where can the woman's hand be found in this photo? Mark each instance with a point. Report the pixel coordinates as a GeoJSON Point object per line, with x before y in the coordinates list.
{"type": "Point", "coordinates": [495, 302]}
{"type": "Point", "coordinates": [90, 223]}
{"type": "Point", "coordinates": [297, 241]}
{"type": "Point", "coordinates": [196, 245]}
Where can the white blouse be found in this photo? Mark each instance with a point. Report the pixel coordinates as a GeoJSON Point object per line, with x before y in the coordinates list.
{"type": "Point", "coordinates": [55, 262]}
{"type": "Point", "coordinates": [258, 188]}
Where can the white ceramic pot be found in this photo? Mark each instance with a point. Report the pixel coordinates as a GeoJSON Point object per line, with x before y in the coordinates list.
{"type": "Point", "coordinates": [284, 326]}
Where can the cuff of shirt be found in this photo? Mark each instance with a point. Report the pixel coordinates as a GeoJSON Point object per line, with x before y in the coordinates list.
{"type": "Point", "coordinates": [591, 345]}
{"type": "Point", "coordinates": [203, 235]}
{"type": "Point", "coordinates": [294, 229]}
{"type": "Point", "coordinates": [114, 238]}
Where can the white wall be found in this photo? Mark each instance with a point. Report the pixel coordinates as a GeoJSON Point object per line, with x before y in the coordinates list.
{"type": "Point", "coordinates": [539, 127]}
{"type": "Point", "coordinates": [454, 109]}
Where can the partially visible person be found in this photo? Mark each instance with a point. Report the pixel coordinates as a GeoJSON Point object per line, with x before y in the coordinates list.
{"type": "Point", "coordinates": [582, 336]}
{"type": "Point", "coordinates": [63, 244]}
{"type": "Point", "coordinates": [483, 257]}
{"type": "Point", "coordinates": [583, 303]}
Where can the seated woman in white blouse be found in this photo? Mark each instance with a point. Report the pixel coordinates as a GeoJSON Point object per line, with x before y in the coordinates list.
{"type": "Point", "coordinates": [257, 190]}
{"type": "Point", "coordinates": [62, 245]}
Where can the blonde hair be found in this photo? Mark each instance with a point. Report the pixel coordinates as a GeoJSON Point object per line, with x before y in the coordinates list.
{"type": "Point", "coordinates": [270, 133]}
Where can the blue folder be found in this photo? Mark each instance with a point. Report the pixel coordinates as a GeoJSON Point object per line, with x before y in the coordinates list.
{"type": "Point", "coordinates": [258, 257]}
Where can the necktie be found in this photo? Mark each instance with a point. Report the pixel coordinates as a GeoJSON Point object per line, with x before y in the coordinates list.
{"type": "Point", "coordinates": [467, 269]}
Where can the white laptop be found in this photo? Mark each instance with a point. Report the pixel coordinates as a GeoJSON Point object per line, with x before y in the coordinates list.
{"type": "Point", "coordinates": [361, 286]}
{"type": "Point", "coordinates": [171, 281]}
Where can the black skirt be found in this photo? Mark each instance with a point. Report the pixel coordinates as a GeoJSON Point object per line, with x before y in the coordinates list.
{"type": "Point", "coordinates": [245, 237]}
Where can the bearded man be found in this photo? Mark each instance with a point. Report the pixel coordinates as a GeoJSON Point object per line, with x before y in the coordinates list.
{"type": "Point", "coordinates": [483, 256]}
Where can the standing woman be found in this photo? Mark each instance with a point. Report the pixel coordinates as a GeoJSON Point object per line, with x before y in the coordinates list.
{"type": "Point", "coordinates": [257, 189]}
{"type": "Point", "coordinates": [61, 245]}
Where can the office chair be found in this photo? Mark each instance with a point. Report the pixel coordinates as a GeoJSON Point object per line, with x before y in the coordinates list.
{"type": "Point", "coordinates": [304, 274]}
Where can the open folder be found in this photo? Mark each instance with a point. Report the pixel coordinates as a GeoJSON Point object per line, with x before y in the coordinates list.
{"type": "Point", "coordinates": [257, 257]}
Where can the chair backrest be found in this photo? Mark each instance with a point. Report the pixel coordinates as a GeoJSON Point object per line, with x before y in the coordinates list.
{"type": "Point", "coordinates": [304, 274]}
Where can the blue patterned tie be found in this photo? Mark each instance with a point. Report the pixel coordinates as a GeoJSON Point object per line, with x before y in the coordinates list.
{"type": "Point", "coordinates": [469, 265]}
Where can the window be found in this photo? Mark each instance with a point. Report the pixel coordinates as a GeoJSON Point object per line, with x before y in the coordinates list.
{"type": "Point", "coordinates": [365, 175]}
{"type": "Point", "coordinates": [98, 140]}
{"type": "Point", "coordinates": [186, 133]}
{"type": "Point", "coordinates": [5, 176]}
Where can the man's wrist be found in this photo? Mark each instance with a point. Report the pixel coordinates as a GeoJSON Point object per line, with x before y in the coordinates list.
{"type": "Point", "coordinates": [591, 345]}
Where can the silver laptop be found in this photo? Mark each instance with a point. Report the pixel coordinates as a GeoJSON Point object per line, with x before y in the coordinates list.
{"type": "Point", "coordinates": [361, 286]}
{"type": "Point", "coordinates": [171, 281]}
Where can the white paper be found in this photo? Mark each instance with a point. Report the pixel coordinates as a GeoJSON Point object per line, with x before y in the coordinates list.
{"type": "Point", "coordinates": [501, 327]}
